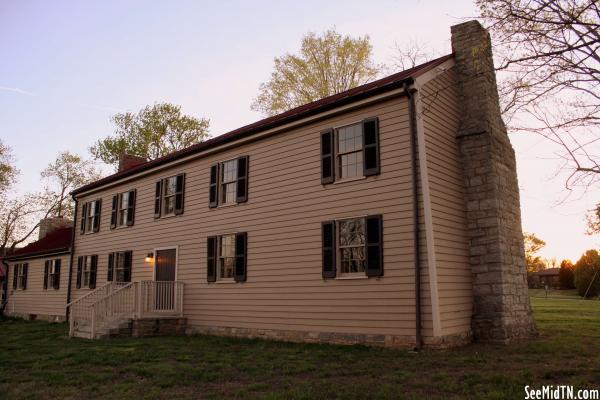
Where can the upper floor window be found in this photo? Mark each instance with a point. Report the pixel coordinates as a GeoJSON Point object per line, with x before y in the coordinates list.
{"type": "Point", "coordinates": [52, 274]}
{"type": "Point", "coordinates": [119, 266]}
{"type": "Point", "coordinates": [226, 257]}
{"type": "Point", "coordinates": [20, 276]}
{"type": "Point", "coordinates": [87, 267]}
{"type": "Point", "coordinates": [90, 216]}
{"type": "Point", "coordinates": [229, 182]}
{"type": "Point", "coordinates": [123, 209]}
{"type": "Point", "coordinates": [353, 247]}
{"type": "Point", "coordinates": [350, 151]}
{"type": "Point", "coordinates": [169, 196]}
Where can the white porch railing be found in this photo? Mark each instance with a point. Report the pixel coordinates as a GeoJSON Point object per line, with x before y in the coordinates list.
{"type": "Point", "coordinates": [125, 300]}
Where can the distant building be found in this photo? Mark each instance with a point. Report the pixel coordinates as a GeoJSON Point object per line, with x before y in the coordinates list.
{"type": "Point", "coordinates": [545, 277]}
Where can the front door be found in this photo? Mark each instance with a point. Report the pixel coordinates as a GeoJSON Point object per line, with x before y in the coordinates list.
{"type": "Point", "coordinates": [164, 279]}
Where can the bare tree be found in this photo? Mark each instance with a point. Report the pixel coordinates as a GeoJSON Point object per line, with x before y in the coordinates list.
{"type": "Point", "coordinates": [410, 54]}
{"type": "Point", "coordinates": [549, 70]}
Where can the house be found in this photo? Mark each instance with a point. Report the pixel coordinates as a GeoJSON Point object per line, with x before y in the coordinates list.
{"type": "Point", "coordinates": [38, 273]}
{"type": "Point", "coordinates": [546, 277]}
{"type": "Point", "coordinates": [387, 215]}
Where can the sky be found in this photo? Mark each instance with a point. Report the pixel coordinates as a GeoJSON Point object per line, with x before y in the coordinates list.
{"type": "Point", "coordinates": [67, 66]}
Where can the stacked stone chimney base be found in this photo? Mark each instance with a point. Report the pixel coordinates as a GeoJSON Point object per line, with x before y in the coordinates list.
{"type": "Point", "coordinates": [502, 312]}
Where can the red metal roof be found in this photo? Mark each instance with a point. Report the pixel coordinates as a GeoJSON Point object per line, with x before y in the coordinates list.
{"type": "Point", "coordinates": [379, 86]}
{"type": "Point", "coordinates": [55, 241]}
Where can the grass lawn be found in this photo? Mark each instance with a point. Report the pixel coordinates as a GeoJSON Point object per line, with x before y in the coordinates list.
{"type": "Point", "coordinates": [39, 361]}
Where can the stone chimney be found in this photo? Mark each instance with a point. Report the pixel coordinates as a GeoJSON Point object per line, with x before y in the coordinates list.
{"type": "Point", "coordinates": [128, 161]}
{"type": "Point", "coordinates": [48, 225]}
{"type": "Point", "coordinates": [501, 311]}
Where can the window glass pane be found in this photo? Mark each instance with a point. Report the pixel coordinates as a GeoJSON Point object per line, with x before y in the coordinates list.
{"type": "Point", "coordinates": [351, 165]}
{"type": "Point", "coordinates": [351, 244]}
{"type": "Point", "coordinates": [350, 138]}
{"type": "Point", "coordinates": [229, 171]}
{"type": "Point", "coordinates": [352, 232]}
{"type": "Point", "coordinates": [226, 268]}
{"type": "Point", "coordinates": [171, 186]}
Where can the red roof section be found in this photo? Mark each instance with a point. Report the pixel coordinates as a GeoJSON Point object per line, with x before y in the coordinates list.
{"type": "Point", "coordinates": [379, 86]}
{"type": "Point", "coordinates": [57, 240]}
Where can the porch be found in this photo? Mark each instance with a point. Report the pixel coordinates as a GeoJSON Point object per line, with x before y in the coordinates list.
{"type": "Point", "coordinates": [139, 308]}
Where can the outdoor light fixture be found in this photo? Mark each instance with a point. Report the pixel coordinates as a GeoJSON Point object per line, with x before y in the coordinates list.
{"type": "Point", "coordinates": [149, 257]}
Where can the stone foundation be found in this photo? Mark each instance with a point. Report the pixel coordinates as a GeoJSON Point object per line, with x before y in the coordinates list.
{"type": "Point", "coordinates": [392, 341]}
{"type": "Point", "coordinates": [148, 327]}
{"type": "Point", "coordinates": [37, 317]}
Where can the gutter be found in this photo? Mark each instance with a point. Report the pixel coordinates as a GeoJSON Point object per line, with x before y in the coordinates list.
{"type": "Point", "coordinates": [45, 253]}
{"type": "Point", "coordinates": [71, 258]}
{"type": "Point", "coordinates": [416, 219]}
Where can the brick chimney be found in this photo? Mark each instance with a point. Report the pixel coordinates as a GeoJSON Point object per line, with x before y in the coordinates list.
{"type": "Point", "coordinates": [48, 225]}
{"type": "Point", "coordinates": [502, 312]}
{"type": "Point", "coordinates": [128, 161]}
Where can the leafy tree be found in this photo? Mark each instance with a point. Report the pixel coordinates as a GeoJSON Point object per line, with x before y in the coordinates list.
{"type": "Point", "coordinates": [533, 245]}
{"type": "Point", "coordinates": [327, 64]}
{"type": "Point", "coordinates": [566, 275]}
{"type": "Point", "coordinates": [550, 70]}
{"type": "Point", "coordinates": [153, 132]}
{"type": "Point", "coordinates": [65, 174]}
{"type": "Point", "coordinates": [19, 218]}
{"type": "Point", "coordinates": [587, 274]}
{"type": "Point", "coordinates": [8, 171]}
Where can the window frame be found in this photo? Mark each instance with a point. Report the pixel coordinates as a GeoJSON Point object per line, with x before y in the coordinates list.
{"type": "Point", "coordinates": [339, 248]}
{"type": "Point", "coordinates": [52, 274]}
{"type": "Point", "coordinates": [223, 185]}
{"type": "Point", "coordinates": [21, 276]}
{"type": "Point", "coordinates": [118, 256]}
{"type": "Point", "coordinates": [86, 268]}
{"type": "Point", "coordinates": [123, 212]}
{"type": "Point", "coordinates": [339, 154]}
{"type": "Point", "coordinates": [221, 258]}
{"type": "Point", "coordinates": [89, 216]}
{"type": "Point", "coordinates": [166, 197]}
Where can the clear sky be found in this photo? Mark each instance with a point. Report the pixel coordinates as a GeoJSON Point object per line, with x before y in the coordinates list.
{"type": "Point", "coordinates": [67, 66]}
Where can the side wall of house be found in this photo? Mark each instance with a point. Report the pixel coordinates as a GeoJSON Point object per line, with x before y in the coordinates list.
{"type": "Point", "coordinates": [35, 301]}
{"type": "Point", "coordinates": [440, 113]}
{"type": "Point", "coordinates": [285, 295]}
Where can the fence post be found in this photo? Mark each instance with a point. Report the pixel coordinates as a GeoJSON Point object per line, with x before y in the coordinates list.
{"type": "Point", "coordinates": [93, 328]}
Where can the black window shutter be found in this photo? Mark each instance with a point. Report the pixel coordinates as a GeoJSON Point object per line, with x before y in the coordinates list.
{"type": "Point", "coordinates": [211, 259]}
{"type": "Point", "coordinates": [83, 218]}
{"type": "Point", "coordinates": [328, 244]}
{"type": "Point", "coordinates": [113, 212]}
{"type": "Point", "coordinates": [79, 271]}
{"type": "Point", "coordinates": [131, 207]}
{"type": "Point", "coordinates": [111, 267]}
{"type": "Point", "coordinates": [57, 276]}
{"type": "Point", "coordinates": [241, 245]}
{"type": "Point", "coordinates": [97, 215]}
{"type": "Point", "coordinates": [180, 189]}
{"type": "Point", "coordinates": [128, 258]}
{"type": "Point", "coordinates": [327, 157]}
{"type": "Point", "coordinates": [93, 270]}
{"type": "Point", "coordinates": [370, 146]}
{"type": "Point", "coordinates": [15, 275]}
{"type": "Point", "coordinates": [213, 187]}
{"type": "Point", "coordinates": [25, 271]}
{"type": "Point", "coordinates": [242, 179]}
{"type": "Point", "coordinates": [374, 245]}
{"type": "Point", "coordinates": [157, 198]}
{"type": "Point", "coordinates": [46, 267]}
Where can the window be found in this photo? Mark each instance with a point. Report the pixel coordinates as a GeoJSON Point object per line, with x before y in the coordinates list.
{"type": "Point", "coordinates": [52, 274]}
{"type": "Point", "coordinates": [123, 209]}
{"type": "Point", "coordinates": [350, 152]}
{"type": "Point", "coordinates": [86, 271]}
{"type": "Point", "coordinates": [352, 247]}
{"type": "Point", "coordinates": [20, 276]}
{"type": "Point", "coordinates": [226, 257]}
{"type": "Point", "coordinates": [169, 196]}
{"type": "Point", "coordinates": [119, 266]}
{"type": "Point", "coordinates": [229, 182]}
{"type": "Point", "coordinates": [90, 216]}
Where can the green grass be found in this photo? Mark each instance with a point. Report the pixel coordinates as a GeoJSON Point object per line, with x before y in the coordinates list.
{"type": "Point", "coordinates": [39, 361]}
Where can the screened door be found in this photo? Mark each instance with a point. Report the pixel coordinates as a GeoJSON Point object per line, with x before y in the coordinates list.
{"type": "Point", "coordinates": [164, 279]}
